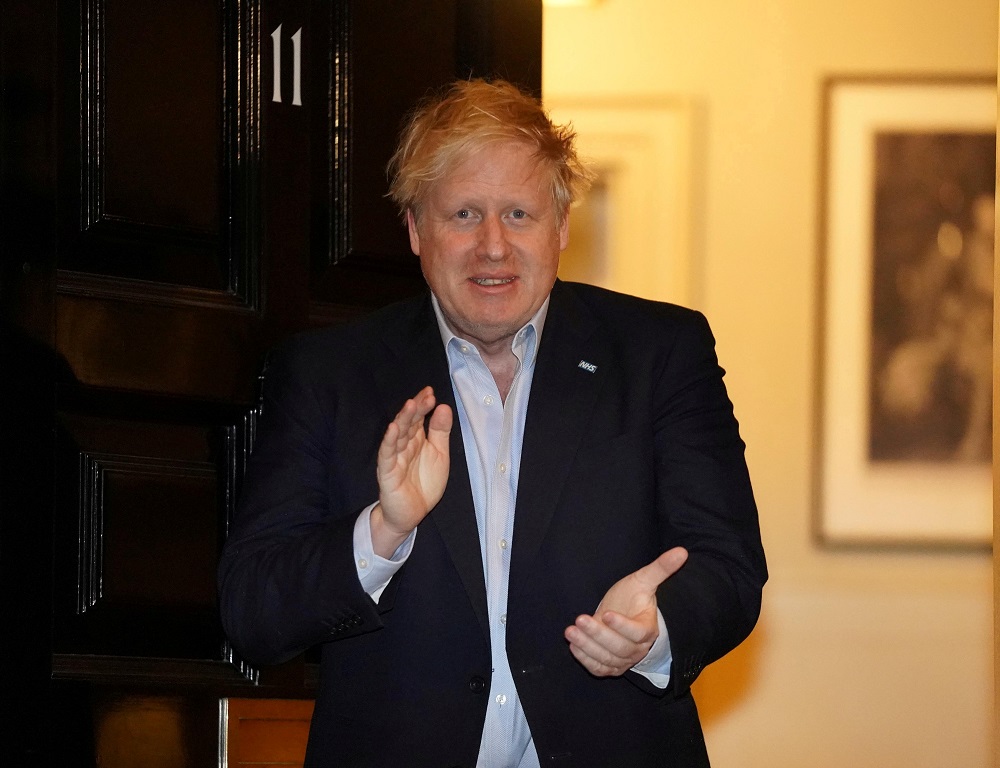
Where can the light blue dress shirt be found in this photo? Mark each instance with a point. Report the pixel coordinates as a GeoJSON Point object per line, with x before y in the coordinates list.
{"type": "Point", "coordinates": [492, 432]}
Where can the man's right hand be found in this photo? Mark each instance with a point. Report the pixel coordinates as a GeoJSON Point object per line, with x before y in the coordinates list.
{"type": "Point", "coordinates": [412, 470]}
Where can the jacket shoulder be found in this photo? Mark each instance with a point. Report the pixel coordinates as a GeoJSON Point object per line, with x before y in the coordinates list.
{"type": "Point", "coordinates": [357, 336]}
{"type": "Point", "coordinates": [631, 315]}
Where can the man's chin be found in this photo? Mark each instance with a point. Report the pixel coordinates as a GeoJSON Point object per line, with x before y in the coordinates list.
{"type": "Point", "coordinates": [490, 330]}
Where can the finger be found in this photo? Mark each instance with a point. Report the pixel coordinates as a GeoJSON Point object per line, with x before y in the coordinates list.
{"type": "Point", "coordinates": [662, 568]}
{"type": "Point", "coordinates": [593, 666]}
{"type": "Point", "coordinates": [387, 449]}
{"type": "Point", "coordinates": [398, 435]}
{"type": "Point", "coordinates": [637, 630]}
{"type": "Point", "coordinates": [599, 662]}
{"type": "Point", "coordinates": [402, 429]}
{"type": "Point", "coordinates": [590, 655]}
{"type": "Point", "coordinates": [424, 401]}
{"type": "Point", "coordinates": [603, 644]}
{"type": "Point", "coordinates": [416, 408]}
{"type": "Point", "coordinates": [410, 418]}
{"type": "Point", "coordinates": [623, 636]}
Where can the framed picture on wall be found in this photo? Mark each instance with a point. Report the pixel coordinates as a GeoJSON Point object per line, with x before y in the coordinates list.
{"type": "Point", "coordinates": [905, 378]}
{"type": "Point", "coordinates": [632, 232]}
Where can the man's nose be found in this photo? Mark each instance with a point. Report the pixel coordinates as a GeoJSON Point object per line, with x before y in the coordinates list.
{"type": "Point", "coordinates": [493, 242]}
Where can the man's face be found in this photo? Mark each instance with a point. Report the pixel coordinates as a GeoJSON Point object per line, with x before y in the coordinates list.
{"type": "Point", "coordinates": [489, 240]}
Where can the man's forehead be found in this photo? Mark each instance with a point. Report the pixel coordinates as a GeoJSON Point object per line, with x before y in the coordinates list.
{"type": "Point", "coordinates": [494, 173]}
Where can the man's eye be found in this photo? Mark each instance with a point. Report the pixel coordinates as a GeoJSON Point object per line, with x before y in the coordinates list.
{"type": "Point", "coordinates": [465, 213]}
{"type": "Point", "coordinates": [517, 213]}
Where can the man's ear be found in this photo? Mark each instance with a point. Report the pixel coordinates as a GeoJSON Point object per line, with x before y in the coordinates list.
{"type": "Point", "coordinates": [411, 227]}
{"type": "Point", "coordinates": [564, 230]}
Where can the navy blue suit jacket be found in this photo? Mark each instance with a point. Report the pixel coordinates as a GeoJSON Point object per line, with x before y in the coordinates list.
{"type": "Point", "coordinates": [624, 457]}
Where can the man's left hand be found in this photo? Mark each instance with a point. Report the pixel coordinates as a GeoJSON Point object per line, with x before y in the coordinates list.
{"type": "Point", "coordinates": [623, 628]}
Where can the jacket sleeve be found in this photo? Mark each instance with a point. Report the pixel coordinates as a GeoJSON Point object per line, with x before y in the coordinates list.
{"type": "Point", "coordinates": [706, 505]}
{"type": "Point", "coordinates": [287, 577]}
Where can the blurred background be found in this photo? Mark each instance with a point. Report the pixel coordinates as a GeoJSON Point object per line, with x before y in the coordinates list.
{"type": "Point", "coordinates": [873, 657]}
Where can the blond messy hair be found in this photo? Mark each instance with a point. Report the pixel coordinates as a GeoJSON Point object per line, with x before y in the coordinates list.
{"type": "Point", "coordinates": [450, 127]}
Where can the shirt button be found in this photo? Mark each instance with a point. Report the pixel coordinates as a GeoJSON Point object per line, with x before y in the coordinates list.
{"type": "Point", "coordinates": [503, 618]}
{"type": "Point", "coordinates": [501, 699]}
{"type": "Point", "coordinates": [503, 543]}
{"type": "Point", "coordinates": [488, 400]}
{"type": "Point", "coordinates": [362, 563]}
{"type": "Point", "coordinates": [503, 467]}
{"type": "Point", "coordinates": [464, 349]}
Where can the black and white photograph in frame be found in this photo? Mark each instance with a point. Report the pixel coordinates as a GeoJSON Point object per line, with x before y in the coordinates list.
{"type": "Point", "coordinates": [904, 371]}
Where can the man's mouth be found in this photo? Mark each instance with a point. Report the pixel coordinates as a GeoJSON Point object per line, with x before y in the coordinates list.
{"type": "Point", "coordinates": [488, 281]}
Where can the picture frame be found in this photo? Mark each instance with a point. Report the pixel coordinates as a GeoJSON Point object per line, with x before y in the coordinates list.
{"type": "Point", "coordinates": [633, 231]}
{"type": "Point", "coordinates": [905, 312]}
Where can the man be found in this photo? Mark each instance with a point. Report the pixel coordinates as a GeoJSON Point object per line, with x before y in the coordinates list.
{"type": "Point", "coordinates": [556, 531]}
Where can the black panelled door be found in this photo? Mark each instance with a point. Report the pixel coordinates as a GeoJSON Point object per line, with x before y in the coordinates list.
{"type": "Point", "coordinates": [182, 184]}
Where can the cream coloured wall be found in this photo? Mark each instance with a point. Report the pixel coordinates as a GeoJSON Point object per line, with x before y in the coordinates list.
{"type": "Point", "coordinates": [862, 658]}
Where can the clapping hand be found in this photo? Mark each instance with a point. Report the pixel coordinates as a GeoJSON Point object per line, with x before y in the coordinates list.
{"type": "Point", "coordinates": [624, 627]}
{"type": "Point", "coordinates": [412, 470]}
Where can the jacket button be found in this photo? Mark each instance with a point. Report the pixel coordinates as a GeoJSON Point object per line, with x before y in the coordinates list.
{"type": "Point", "coordinates": [477, 684]}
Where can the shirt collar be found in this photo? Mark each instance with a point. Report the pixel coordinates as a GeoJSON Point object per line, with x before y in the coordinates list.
{"type": "Point", "coordinates": [535, 325]}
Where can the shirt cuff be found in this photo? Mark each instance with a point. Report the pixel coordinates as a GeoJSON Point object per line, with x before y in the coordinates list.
{"type": "Point", "coordinates": [655, 667]}
{"type": "Point", "coordinates": [375, 571]}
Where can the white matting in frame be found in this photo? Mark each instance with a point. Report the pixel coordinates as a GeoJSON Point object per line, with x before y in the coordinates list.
{"type": "Point", "coordinates": [862, 497]}
{"type": "Point", "coordinates": [633, 231]}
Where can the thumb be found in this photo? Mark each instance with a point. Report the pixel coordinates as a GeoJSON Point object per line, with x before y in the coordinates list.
{"type": "Point", "coordinates": [439, 427]}
{"type": "Point", "coordinates": [662, 568]}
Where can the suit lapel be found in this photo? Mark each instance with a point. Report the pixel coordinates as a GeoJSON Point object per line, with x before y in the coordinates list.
{"type": "Point", "coordinates": [417, 359]}
{"type": "Point", "coordinates": [568, 378]}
